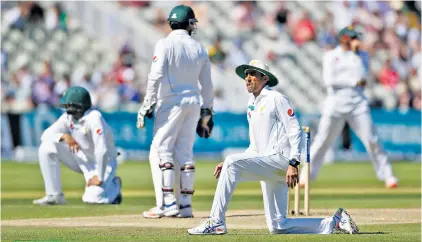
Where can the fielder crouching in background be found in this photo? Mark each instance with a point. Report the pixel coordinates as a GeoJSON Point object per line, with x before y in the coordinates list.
{"type": "Point", "coordinates": [82, 141]}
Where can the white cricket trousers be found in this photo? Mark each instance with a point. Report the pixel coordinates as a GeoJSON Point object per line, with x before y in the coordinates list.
{"type": "Point", "coordinates": [50, 154]}
{"type": "Point", "coordinates": [271, 171]}
{"type": "Point", "coordinates": [329, 130]}
{"type": "Point", "coordinates": [174, 136]}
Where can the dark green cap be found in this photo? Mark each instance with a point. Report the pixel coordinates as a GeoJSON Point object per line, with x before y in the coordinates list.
{"type": "Point", "coordinates": [349, 31]}
{"type": "Point", "coordinates": [77, 96]}
{"type": "Point", "coordinates": [181, 14]}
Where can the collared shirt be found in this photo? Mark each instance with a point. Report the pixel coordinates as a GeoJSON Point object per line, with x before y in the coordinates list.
{"type": "Point", "coordinates": [179, 62]}
{"type": "Point", "coordinates": [273, 126]}
{"type": "Point", "coordinates": [342, 70]}
{"type": "Point", "coordinates": [91, 132]}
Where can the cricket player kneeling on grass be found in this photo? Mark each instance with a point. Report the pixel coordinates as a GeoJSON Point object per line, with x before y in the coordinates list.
{"type": "Point", "coordinates": [272, 158]}
{"type": "Point", "coordinates": [82, 141]}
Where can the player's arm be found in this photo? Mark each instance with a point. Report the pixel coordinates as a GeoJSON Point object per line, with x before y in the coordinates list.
{"type": "Point", "coordinates": [207, 88]}
{"type": "Point", "coordinates": [206, 123]}
{"type": "Point", "coordinates": [158, 68]}
{"type": "Point", "coordinates": [286, 113]}
{"type": "Point", "coordinates": [157, 71]}
{"type": "Point", "coordinates": [56, 131]}
{"type": "Point", "coordinates": [97, 125]}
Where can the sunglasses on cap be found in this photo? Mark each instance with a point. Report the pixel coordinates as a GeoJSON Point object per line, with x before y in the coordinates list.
{"type": "Point", "coordinates": [253, 73]}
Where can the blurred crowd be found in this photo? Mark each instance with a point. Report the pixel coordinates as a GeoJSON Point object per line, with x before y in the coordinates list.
{"type": "Point", "coordinates": [391, 32]}
{"type": "Point", "coordinates": [24, 88]}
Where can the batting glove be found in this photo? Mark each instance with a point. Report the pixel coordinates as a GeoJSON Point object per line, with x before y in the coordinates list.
{"type": "Point", "coordinates": [147, 110]}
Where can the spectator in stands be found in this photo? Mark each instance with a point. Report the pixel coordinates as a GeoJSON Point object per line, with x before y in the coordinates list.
{"type": "Point", "coordinates": [404, 101]}
{"type": "Point", "coordinates": [237, 56]}
{"type": "Point", "coordinates": [416, 102]}
{"type": "Point", "coordinates": [56, 18]}
{"type": "Point", "coordinates": [387, 76]}
{"type": "Point", "coordinates": [244, 16]}
{"type": "Point", "coordinates": [216, 53]}
{"type": "Point", "coordinates": [281, 17]}
{"type": "Point", "coordinates": [16, 18]}
{"type": "Point", "coordinates": [62, 85]}
{"type": "Point", "coordinates": [36, 13]}
{"type": "Point", "coordinates": [304, 30]}
{"type": "Point", "coordinates": [400, 60]}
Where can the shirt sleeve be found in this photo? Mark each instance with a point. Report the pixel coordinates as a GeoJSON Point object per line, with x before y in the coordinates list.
{"type": "Point", "coordinates": [97, 129]}
{"type": "Point", "coordinates": [55, 131]}
{"type": "Point", "coordinates": [207, 89]}
{"type": "Point", "coordinates": [157, 71]}
{"type": "Point", "coordinates": [284, 112]}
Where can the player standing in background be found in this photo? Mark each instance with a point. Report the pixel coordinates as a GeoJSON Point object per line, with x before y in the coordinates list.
{"type": "Point", "coordinates": [272, 158]}
{"type": "Point", "coordinates": [343, 74]}
{"type": "Point", "coordinates": [82, 141]}
{"type": "Point", "coordinates": [175, 94]}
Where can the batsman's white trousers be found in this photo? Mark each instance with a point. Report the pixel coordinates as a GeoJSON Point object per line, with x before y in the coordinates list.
{"type": "Point", "coordinates": [50, 154]}
{"type": "Point", "coordinates": [174, 136]}
{"type": "Point", "coordinates": [271, 171]}
{"type": "Point", "coordinates": [329, 130]}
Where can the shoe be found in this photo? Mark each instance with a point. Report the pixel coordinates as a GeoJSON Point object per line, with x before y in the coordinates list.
{"type": "Point", "coordinates": [345, 223]}
{"type": "Point", "coordinates": [185, 212]}
{"type": "Point", "coordinates": [171, 209]}
{"type": "Point", "coordinates": [119, 198]}
{"type": "Point", "coordinates": [391, 183]}
{"type": "Point", "coordinates": [209, 226]}
{"type": "Point", "coordinates": [155, 212]}
{"type": "Point", "coordinates": [50, 200]}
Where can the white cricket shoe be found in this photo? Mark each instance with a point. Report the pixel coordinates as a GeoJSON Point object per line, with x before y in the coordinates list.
{"type": "Point", "coordinates": [185, 211]}
{"type": "Point", "coordinates": [165, 211]}
{"type": "Point", "coordinates": [155, 212]}
{"type": "Point", "coordinates": [50, 200]}
{"type": "Point", "coordinates": [345, 223]}
{"type": "Point", "coordinates": [209, 226]}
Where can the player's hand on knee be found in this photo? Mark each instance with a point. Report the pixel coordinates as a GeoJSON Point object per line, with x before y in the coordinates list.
{"type": "Point", "coordinates": [217, 170]}
{"type": "Point", "coordinates": [292, 176]}
{"type": "Point", "coordinates": [94, 181]}
{"type": "Point", "coordinates": [71, 142]}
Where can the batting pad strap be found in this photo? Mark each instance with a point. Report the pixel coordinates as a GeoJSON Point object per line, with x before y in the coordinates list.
{"type": "Point", "coordinates": [187, 192]}
{"type": "Point", "coordinates": [167, 189]}
{"type": "Point", "coordinates": [167, 166]}
{"type": "Point", "coordinates": [188, 168]}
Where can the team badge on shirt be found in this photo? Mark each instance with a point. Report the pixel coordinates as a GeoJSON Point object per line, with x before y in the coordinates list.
{"type": "Point", "coordinates": [290, 112]}
{"type": "Point", "coordinates": [154, 59]}
{"type": "Point", "coordinates": [99, 131]}
{"type": "Point", "coordinates": [71, 126]}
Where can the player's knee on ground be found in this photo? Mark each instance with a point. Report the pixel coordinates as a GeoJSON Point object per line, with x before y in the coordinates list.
{"type": "Point", "coordinates": [93, 194]}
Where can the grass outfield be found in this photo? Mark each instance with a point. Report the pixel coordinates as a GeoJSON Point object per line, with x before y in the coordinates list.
{"type": "Point", "coordinates": [401, 232]}
{"type": "Point", "coordinates": [341, 185]}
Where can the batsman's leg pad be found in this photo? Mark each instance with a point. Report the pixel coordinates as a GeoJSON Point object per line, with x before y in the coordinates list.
{"type": "Point", "coordinates": [168, 181]}
{"type": "Point", "coordinates": [187, 179]}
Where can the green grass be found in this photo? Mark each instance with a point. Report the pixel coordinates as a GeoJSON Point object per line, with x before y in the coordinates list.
{"type": "Point", "coordinates": [341, 185]}
{"type": "Point", "coordinates": [400, 232]}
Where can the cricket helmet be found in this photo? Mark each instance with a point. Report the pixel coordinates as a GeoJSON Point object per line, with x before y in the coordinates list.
{"type": "Point", "coordinates": [76, 100]}
{"type": "Point", "coordinates": [184, 16]}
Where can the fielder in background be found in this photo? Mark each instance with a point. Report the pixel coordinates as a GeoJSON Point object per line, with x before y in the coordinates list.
{"type": "Point", "coordinates": [174, 92]}
{"type": "Point", "coordinates": [343, 74]}
{"type": "Point", "coordinates": [82, 141]}
{"type": "Point", "coordinates": [272, 158]}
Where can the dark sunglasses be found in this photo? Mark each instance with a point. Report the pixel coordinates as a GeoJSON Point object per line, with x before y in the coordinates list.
{"type": "Point", "coordinates": [253, 73]}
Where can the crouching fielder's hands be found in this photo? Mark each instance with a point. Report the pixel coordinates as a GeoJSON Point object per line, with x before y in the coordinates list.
{"type": "Point", "coordinates": [217, 170]}
{"type": "Point", "coordinates": [146, 109]}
